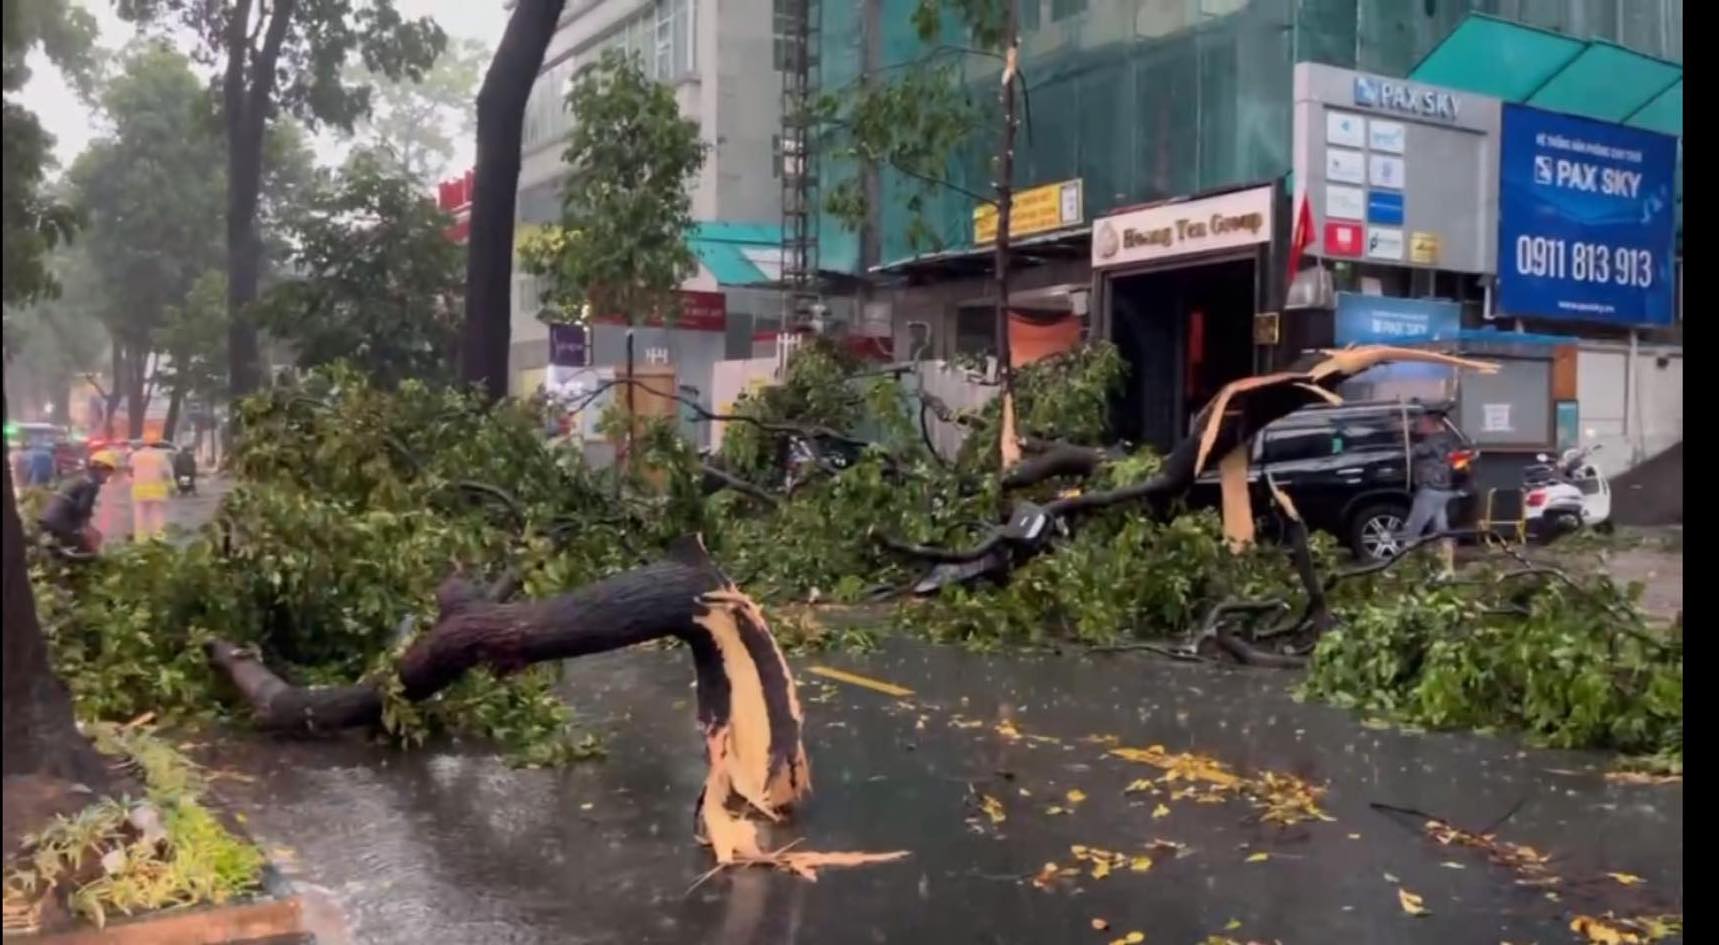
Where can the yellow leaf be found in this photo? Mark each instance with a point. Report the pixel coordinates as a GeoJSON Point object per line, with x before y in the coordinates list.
{"type": "Point", "coordinates": [1259, 857]}
{"type": "Point", "coordinates": [1411, 903]}
{"type": "Point", "coordinates": [1160, 811]}
{"type": "Point", "coordinates": [1627, 879]}
{"type": "Point", "coordinates": [1100, 924]}
{"type": "Point", "coordinates": [1135, 938]}
{"type": "Point", "coordinates": [1232, 925]}
{"type": "Point", "coordinates": [1053, 810]}
{"type": "Point", "coordinates": [1076, 795]}
{"type": "Point", "coordinates": [993, 808]}
{"type": "Point", "coordinates": [1140, 864]}
{"type": "Point", "coordinates": [1079, 850]}
{"type": "Point", "coordinates": [1101, 869]}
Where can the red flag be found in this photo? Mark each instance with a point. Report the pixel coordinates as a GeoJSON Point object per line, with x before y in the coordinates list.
{"type": "Point", "coordinates": [1300, 239]}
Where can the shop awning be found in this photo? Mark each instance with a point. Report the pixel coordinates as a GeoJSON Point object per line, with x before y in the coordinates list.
{"type": "Point", "coordinates": [1537, 67]}
{"type": "Point", "coordinates": [739, 254]}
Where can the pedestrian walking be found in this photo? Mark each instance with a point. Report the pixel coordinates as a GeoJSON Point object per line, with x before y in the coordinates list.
{"type": "Point", "coordinates": [151, 484]}
{"type": "Point", "coordinates": [1435, 486]}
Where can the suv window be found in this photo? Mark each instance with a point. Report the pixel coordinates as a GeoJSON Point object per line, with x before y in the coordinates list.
{"type": "Point", "coordinates": [1383, 431]}
{"type": "Point", "coordinates": [1292, 444]}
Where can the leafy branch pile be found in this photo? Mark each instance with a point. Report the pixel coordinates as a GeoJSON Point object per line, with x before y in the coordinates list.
{"type": "Point", "coordinates": [356, 502]}
{"type": "Point", "coordinates": [126, 856]}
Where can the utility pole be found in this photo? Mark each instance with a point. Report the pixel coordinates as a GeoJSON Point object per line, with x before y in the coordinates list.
{"type": "Point", "coordinates": [1005, 168]}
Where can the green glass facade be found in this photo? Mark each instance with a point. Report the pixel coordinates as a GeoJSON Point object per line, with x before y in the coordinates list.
{"type": "Point", "coordinates": [1148, 99]}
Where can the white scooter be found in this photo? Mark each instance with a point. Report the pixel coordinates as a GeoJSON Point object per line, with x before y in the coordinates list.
{"type": "Point", "coordinates": [1563, 498]}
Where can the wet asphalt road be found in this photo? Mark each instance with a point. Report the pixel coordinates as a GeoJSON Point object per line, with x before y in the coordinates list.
{"type": "Point", "coordinates": [450, 846]}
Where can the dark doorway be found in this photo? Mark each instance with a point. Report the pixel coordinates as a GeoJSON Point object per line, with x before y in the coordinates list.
{"type": "Point", "coordinates": [1184, 333]}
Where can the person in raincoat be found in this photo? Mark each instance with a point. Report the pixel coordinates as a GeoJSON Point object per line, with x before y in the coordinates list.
{"type": "Point", "coordinates": [66, 518]}
{"type": "Point", "coordinates": [151, 484]}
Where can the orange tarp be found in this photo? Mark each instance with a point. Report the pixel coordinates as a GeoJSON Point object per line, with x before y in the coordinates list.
{"type": "Point", "coordinates": [1034, 337]}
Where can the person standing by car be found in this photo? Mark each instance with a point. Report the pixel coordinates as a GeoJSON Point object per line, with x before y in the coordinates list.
{"type": "Point", "coordinates": [1435, 485]}
{"type": "Point", "coordinates": [151, 483]}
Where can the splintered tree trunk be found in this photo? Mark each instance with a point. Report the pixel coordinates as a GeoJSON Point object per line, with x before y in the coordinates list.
{"type": "Point", "coordinates": [41, 736]}
{"type": "Point", "coordinates": [500, 127]}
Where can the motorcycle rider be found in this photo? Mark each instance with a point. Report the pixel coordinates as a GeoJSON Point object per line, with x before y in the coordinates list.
{"type": "Point", "coordinates": [185, 469]}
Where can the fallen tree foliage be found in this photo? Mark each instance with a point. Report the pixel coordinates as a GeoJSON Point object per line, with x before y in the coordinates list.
{"type": "Point", "coordinates": [355, 504]}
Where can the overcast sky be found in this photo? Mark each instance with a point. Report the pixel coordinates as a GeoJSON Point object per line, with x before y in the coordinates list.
{"type": "Point", "coordinates": [69, 120]}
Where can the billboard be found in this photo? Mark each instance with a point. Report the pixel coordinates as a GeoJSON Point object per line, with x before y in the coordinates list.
{"type": "Point", "coordinates": [1396, 172]}
{"type": "Point", "coordinates": [1032, 210]}
{"type": "Point", "coordinates": [1382, 320]}
{"type": "Point", "coordinates": [1586, 219]}
{"type": "Point", "coordinates": [1182, 228]}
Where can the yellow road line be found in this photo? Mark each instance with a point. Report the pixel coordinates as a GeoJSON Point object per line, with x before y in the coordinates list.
{"type": "Point", "coordinates": [888, 689]}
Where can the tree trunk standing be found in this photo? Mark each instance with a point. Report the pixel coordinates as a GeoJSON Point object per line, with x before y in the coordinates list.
{"type": "Point", "coordinates": [245, 99]}
{"type": "Point", "coordinates": [41, 736]}
{"type": "Point", "coordinates": [116, 386]}
{"type": "Point", "coordinates": [1008, 448]}
{"type": "Point", "coordinates": [136, 400]}
{"type": "Point", "coordinates": [175, 401]}
{"type": "Point", "coordinates": [500, 128]}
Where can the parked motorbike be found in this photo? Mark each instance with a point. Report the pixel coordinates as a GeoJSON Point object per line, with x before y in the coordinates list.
{"type": "Point", "coordinates": [1565, 496]}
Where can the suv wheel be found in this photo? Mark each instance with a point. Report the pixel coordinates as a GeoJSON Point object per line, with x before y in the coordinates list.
{"type": "Point", "coordinates": [1373, 531]}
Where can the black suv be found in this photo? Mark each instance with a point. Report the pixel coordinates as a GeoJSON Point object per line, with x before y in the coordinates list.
{"type": "Point", "coordinates": [1346, 467]}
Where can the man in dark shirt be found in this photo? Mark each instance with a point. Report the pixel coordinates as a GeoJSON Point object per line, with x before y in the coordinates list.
{"type": "Point", "coordinates": [1435, 483]}
{"type": "Point", "coordinates": [66, 518]}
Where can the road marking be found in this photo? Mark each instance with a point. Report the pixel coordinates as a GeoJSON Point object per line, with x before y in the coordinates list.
{"type": "Point", "coordinates": [888, 689]}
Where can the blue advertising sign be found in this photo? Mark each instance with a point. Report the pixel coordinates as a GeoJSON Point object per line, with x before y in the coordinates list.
{"type": "Point", "coordinates": [1385, 206]}
{"type": "Point", "coordinates": [1377, 319]}
{"type": "Point", "coordinates": [1586, 219]}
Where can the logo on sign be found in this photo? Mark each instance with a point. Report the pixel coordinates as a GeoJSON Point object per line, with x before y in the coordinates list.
{"type": "Point", "coordinates": [1384, 207]}
{"type": "Point", "coordinates": [1401, 97]}
{"type": "Point", "coordinates": [1384, 242]}
{"type": "Point", "coordinates": [1542, 169]}
{"type": "Point", "coordinates": [1342, 239]}
{"type": "Point", "coordinates": [1589, 178]}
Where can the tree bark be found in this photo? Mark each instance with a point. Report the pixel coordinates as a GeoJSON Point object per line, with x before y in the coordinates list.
{"type": "Point", "coordinates": [41, 735]}
{"type": "Point", "coordinates": [473, 629]}
{"type": "Point", "coordinates": [175, 402]}
{"type": "Point", "coordinates": [136, 401]}
{"type": "Point", "coordinates": [245, 98]}
{"type": "Point", "coordinates": [500, 128]}
{"type": "Point", "coordinates": [1008, 451]}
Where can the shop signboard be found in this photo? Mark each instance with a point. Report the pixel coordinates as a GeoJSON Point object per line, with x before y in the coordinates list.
{"type": "Point", "coordinates": [1165, 231]}
{"type": "Point", "coordinates": [699, 311]}
{"type": "Point", "coordinates": [1586, 219]}
{"type": "Point", "coordinates": [1381, 159]}
{"type": "Point", "coordinates": [1032, 210]}
{"type": "Point", "coordinates": [569, 346]}
{"type": "Point", "coordinates": [1377, 319]}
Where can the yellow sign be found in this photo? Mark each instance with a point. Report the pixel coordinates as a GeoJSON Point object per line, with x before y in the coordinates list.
{"type": "Point", "coordinates": [1033, 210]}
{"type": "Point", "coordinates": [1423, 248]}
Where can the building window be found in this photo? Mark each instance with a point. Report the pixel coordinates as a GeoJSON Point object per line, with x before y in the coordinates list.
{"type": "Point", "coordinates": [1029, 16]}
{"type": "Point", "coordinates": [1063, 9]}
{"type": "Point", "coordinates": [674, 39]}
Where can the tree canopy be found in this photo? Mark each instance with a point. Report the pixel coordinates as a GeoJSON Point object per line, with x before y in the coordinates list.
{"type": "Point", "coordinates": [621, 246]}
{"type": "Point", "coordinates": [378, 280]}
{"type": "Point", "coordinates": [415, 121]}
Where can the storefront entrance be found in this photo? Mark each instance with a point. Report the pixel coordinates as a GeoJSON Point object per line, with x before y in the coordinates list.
{"type": "Point", "coordinates": [1184, 332]}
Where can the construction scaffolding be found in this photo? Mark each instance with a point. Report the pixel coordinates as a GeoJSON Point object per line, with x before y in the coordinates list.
{"type": "Point", "coordinates": [798, 58]}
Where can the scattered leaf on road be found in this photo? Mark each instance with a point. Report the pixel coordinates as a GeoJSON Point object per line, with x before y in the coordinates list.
{"type": "Point", "coordinates": [1076, 795]}
{"type": "Point", "coordinates": [1140, 864]}
{"type": "Point", "coordinates": [1447, 864]}
{"type": "Point", "coordinates": [1411, 903]}
{"type": "Point", "coordinates": [993, 809]}
{"type": "Point", "coordinates": [1627, 879]}
{"type": "Point", "coordinates": [1100, 925]}
{"type": "Point", "coordinates": [1160, 811]}
{"type": "Point", "coordinates": [1259, 857]}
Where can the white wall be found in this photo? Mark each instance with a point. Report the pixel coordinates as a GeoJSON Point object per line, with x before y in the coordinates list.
{"type": "Point", "coordinates": [1655, 424]}
{"type": "Point", "coordinates": [958, 389]}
